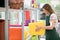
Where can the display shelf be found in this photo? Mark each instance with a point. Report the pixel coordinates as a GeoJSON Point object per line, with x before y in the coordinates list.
{"type": "Point", "coordinates": [3, 9]}
{"type": "Point", "coordinates": [13, 29]}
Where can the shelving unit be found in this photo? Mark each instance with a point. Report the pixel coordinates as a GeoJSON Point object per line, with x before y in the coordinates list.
{"type": "Point", "coordinates": [15, 28]}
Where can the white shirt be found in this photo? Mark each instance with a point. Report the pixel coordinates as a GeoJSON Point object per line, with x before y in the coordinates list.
{"type": "Point", "coordinates": [54, 17]}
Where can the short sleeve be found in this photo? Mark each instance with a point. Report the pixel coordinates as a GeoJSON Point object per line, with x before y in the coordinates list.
{"type": "Point", "coordinates": [53, 17]}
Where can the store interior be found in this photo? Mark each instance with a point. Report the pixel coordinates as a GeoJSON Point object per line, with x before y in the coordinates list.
{"type": "Point", "coordinates": [22, 13]}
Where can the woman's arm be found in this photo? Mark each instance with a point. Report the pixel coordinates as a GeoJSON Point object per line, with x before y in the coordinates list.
{"type": "Point", "coordinates": [53, 19]}
{"type": "Point", "coordinates": [52, 25]}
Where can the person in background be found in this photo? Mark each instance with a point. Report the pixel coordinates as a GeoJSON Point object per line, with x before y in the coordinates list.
{"type": "Point", "coordinates": [15, 4]}
{"type": "Point", "coordinates": [51, 23]}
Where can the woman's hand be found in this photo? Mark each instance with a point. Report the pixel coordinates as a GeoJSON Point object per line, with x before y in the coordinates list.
{"type": "Point", "coordinates": [38, 28]}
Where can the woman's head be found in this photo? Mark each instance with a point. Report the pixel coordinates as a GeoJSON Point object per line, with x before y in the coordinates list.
{"type": "Point", "coordinates": [47, 9]}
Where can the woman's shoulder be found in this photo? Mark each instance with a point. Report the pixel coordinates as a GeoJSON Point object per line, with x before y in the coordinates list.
{"type": "Point", "coordinates": [53, 15]}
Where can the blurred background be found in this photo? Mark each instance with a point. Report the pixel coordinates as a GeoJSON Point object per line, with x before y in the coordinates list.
{"type": "Point", "coordinates": [21, 13]}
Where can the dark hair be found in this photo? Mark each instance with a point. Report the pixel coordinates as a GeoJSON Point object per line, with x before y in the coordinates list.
{"type": "Point", "coordinates": [48, 8]}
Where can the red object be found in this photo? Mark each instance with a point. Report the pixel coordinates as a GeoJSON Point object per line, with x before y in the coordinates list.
{"type": "Point", "coordinates": [15, 33]}
{"type": "Point", "coordinates": [27, 12]}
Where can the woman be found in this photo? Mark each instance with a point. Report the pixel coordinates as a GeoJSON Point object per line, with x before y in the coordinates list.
{"type": "Point", "coordinates": [51, 23]}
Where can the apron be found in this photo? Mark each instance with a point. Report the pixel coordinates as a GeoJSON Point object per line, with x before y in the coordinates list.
{"type": "Point", "coordinates": [51, 34]}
